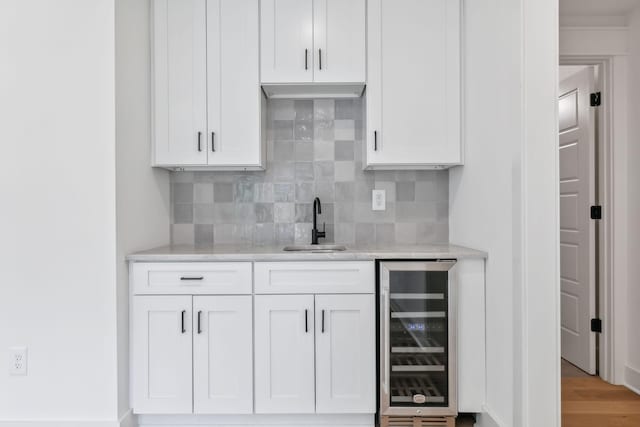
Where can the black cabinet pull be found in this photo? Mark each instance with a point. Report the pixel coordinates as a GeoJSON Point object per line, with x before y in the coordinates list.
{"type": "Point", "coordinates": [375, 140]}
{"type": "Point", "coordinates": [199, 326]}
{"type": "Point", "coordinates": [306, 321]}
{"type": "Point", "coordinates": [213, 142]}
{"type": "Point", "coordinates": [306, 59]}
{"type": "Point", "coordinates": [323, 321]}
{"type": "Point", "coordinates": [199, 141]}
{"type": "Point", "coordinates": [320, 58]}
{"type": "Point", "coordinates": [192, 278]}
{"type": "Point", "coordinates": [182, 325]}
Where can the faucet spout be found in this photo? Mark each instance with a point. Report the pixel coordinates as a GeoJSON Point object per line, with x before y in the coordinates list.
{"type": "Point", "coordinates": [315, 233]}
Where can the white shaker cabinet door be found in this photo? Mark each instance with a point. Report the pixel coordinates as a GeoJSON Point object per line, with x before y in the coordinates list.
{"type": "Point", "coordinates": [233, 77]}
{"type": "Point", "coordinates": [414, 84]}
{"type": "Point", "coordinates": [286, 36]}
{"type": "Point", "coordinates": [222, 355]}
{"type": "Point", "coordinates": [345, 354]}
{"type": "Point", "coordinates": [179, 82]}
{"type": "Point", "coordinates": [162, 366]}
{"type": "Point", "coordinates": [284, 354]}
{"type": "Point", "coordinates": [339, 41]}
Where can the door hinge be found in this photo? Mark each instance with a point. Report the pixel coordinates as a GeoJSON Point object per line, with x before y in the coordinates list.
{"type": "Point", "coordinates": [596, 212]}
{"type": "Point", "coordinates": [596, 325]}
{"type": "Point", "coordinates": [596, 99]}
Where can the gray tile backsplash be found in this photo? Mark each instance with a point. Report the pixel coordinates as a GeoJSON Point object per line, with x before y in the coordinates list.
{"type": "Point", "coordinates": [314, 149]}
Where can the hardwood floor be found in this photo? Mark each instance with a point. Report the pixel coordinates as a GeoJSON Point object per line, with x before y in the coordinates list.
{"type": "Point", "coordinates": [590, 402]}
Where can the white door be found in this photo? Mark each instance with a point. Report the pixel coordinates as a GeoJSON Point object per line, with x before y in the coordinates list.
{"type": "Point", "coordinates": [162, 355]}
{"type": "Point", "coordinates": [413, 89]}
{"type": "Point", "coordinates": [286, 37]}
{"type": "Point", "coordinates": [339, 40]}
{"type": "Point", "coordinates": [222, 355]}
{"type": "Point", "coordinates": [284, 355]}
{"type": "Point", "coordinates": [233, 70]}
{"type": "Point", "coordinates": [345, 354]}
{"type": "Point", "coordinates": [180, 82]}
{"type": "Point", "coordinates": [577, 229]}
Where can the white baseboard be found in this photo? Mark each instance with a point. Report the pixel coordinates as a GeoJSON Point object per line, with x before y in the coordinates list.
{"type": "Point", "coordinates": [128, 420]}
{"type": "Point", "coordinates": [58, 423]}
{"type": "Point", "coordinates": [258, 420]}
{"type": "Point", "coordinates": [632, 378]}
{"type": "Point", "coordinates": [488, 419]}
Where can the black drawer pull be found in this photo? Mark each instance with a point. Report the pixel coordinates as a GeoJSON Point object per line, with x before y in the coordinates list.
{"type": "Point", "coordinates": [192, 278]}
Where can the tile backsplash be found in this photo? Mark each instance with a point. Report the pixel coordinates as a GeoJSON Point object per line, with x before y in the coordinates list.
{"type": "Point", "coordinates": [314, 148]}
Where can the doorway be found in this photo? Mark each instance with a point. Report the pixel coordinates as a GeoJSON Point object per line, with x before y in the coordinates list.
{"type": "Point", "coordinates": [579, 200]}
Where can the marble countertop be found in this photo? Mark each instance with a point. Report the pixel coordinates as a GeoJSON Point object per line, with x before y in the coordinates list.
{"type": "Point", "coordinates": [190, 253]}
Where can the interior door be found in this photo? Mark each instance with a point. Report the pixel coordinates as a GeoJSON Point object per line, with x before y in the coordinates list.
{"type": "Point", "coordinates": [233, 69]}
{"type": "Point", "coordinates": [339, 40]}
{"type": "Point", "coordinates": [286, 37]}
{"type": "Point", "coordinates": [284, 356]}
{"type": "Point", "coordinates": [222, 355]}
{"type": "Point", "coordinates": [414, 81]}
{"type": "Point", "coordinates": [577, 229]}
{"type": "Point", "coordinates": [345, 354]}
{"type": "Point", "coordinates": [162, 355]}
{"type": "Point", "coordinates": [180, 82]}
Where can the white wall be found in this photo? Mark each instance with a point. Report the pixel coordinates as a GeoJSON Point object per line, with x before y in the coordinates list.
{"type": "Point", "coordinates": [58, 218]}
{"type": "Point", "coordinates": [632, 371]}
{"type": "Point", "coordinates": [142, 192]}
{"type": "Point", "coordinates": [506, 194]}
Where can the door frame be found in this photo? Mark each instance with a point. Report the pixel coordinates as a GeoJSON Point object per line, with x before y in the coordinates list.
{"type": "Point", "coordinates": [608, 304]}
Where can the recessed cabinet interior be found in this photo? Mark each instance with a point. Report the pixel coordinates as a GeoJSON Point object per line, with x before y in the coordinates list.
{"type": "Point", "coordinates": [207, 106]}
{"type": "Point", "coordinates": [314, 42]}
{"type": "Point", "coordinates": [413, 89]}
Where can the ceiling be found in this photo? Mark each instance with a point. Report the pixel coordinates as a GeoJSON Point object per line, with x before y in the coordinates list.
{"type": "Point", "coordinates": [597, 7]}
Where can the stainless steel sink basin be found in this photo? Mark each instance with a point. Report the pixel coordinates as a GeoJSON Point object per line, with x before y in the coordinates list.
{"type": "Point", "coordinates": [315, 248]}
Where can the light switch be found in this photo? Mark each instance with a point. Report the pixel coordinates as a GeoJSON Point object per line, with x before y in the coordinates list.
{"type": "Point", "coordinates": [378, 200]}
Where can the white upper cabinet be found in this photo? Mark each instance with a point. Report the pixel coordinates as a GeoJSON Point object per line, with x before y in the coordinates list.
{"type": "Point", "coordinates": [180, 82]}
{"type": "Point", "coordinates": [345, 354]}
{"type": "Point", "coordinates": [414, 84]}
{"type": "Point", "coordinates": [207, 98]}
{"type": "Point", "coordinates": [222, 355]}
{"type": "Point", "coordinates": [307, 41]}
{"type": "Point", "coordinates": [161, 364]}
{"type": "Point", "coordinates": [286, 40]}
{"type": "Point", "coordinates": [339, 41]}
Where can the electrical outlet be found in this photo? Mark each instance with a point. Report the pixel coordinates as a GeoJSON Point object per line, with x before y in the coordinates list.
{"type": "Point", "coordinates": [378, 200]}
{"type": "Point", "coordinates": [18, 360]}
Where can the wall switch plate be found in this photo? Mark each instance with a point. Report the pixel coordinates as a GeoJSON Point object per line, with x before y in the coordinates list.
{"type": "Point", "coordinates": [18, 360]}
{"type": "Point", "coordinates": [378, 200]}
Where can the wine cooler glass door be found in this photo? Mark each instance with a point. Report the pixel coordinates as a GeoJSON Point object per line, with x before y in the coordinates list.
{"type": "Point", "coordinates": [417, 347]}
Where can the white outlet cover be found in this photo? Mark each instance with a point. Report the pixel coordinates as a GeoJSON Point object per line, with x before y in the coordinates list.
{"type": "Point", "coordinates": [378, 200]}
{"type": "Point", "coordinates": [18, 360]}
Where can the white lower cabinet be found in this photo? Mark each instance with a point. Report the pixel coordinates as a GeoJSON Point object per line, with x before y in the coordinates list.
{"type": "Point", "coordinates": [284, 337]}
{"type": "Point", "coordinates": [162, 366]}
{"type": "Point", "coordinates": [342, 330]}
{"type": "Point", "coordinates": [222, 355]}
{"type": "Point", "coordinates": [345, 354]}
{"type": "Point", "coordinates": [192, 354]}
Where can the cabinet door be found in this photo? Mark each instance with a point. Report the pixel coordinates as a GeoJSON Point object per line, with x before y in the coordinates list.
{"type": "Point", "coordinates": [161, 372]}
{"type": "Point", "coordinates": [222, 355]}
{"type": "Point", "coordinates": [286, 36]}
{"type": "Point", "coordinates": [234, 96]}
{"type": "Point", "coordinates": [345, 354]}
{"type": "Point", "coordinates": [180, 82]}
{"type": "Point", "coordinates": [284, 354]}
{"type": "Point", "coordinates": [414, 66]}
{"type": "Point", "coordinates": [339, 40]}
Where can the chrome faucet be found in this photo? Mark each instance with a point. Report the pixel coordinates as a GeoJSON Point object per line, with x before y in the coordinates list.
{"type": "Point", "coordinates": [315, 233]}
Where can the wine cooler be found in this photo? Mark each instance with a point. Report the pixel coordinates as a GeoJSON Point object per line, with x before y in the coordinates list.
{"type": "Point", "coordinates": [417, 339]}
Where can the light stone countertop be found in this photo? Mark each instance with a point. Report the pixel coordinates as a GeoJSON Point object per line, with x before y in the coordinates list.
{"type": "Point", "coordinates": [190, 253]}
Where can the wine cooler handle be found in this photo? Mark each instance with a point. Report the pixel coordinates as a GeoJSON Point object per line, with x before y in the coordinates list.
{"type": "Point", "coordinates": [384, 316]}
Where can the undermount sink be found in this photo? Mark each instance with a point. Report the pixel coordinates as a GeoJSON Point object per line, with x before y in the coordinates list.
{"type": "Point", "coordinates": [315, 248]}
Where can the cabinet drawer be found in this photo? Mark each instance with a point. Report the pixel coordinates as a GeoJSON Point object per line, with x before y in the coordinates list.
{"type": "Point", "coordinates": [316, 277]}
{"type": "Point", "coordinates": [192, 278]}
